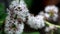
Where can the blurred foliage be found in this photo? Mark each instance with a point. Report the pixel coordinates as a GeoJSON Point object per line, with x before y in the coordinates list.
{"type": "Point", "coordinates": [2, 16]}
{"type": "Point", "coordinates": [2, 13]}
{"type": "Point", "coordinates": [29, 3]}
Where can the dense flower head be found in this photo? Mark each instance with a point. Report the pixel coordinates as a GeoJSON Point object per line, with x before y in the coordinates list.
{"type": "Point", "coordinates": [12, 26]}
{"type": "Point", "coordinates": [51, 12]}
{"type": "Point", "coordinates": [36, 22]}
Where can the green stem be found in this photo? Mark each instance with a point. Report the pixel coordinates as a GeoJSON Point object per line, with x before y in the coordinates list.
{"type": "Point", "coordinates": [48, 23]}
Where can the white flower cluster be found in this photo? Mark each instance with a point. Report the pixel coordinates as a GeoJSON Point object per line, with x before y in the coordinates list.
{"type": "Point", "coordinates": [51, 11]}
{"type": "Point", "coordinates": [9, 25]}
{"type": "Point", "coordinates": [51, 8]}
{"type": "Point", "coordinates": [20, 9]}
{"type": "Point", "coordinates": [36, 22]}
{"type": "Point", "coordinates": [14, 3]}
{"type": "Point", "coordinates": [12, 25]}
{"type": "Point", "coordinates": [11, 29]}
{"type": "Point", "coordinates": [22, 12]}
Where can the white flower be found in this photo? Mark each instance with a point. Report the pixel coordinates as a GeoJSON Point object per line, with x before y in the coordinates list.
{"type": "Point", "coordinates": [40, 20]}
{"type": "Point", "coordinates": [10, 32]}
{"type": "Point", "coordinates": [55, 17]}
{"type": "Point", "coordinates": [7, 21]}
{"type": "Point", "coordinates": [36, 22]}
{"type": "Point", "coordinates": [50, 8]}
{"type": "Point", "coordinates": [23, 4]}
{"type": "Point", "coordinates": [51, 11]}
{"type": "Point", "coordinates": [47, 29]}
{"type": "Point", "coordinates": [47, 15]}
{"type": "Point", "coordinates": [21, 14]}
{"type": "Point", "coordinates": [21, 10]}
{"type": "Point", "coordinates": [20, 28]}
{"type": "Point", "coordinates": [7, 24]}
{"type": "Point", "coordinates": [31, 21]}
{"type": "Point", "coordinates": [13, 3]}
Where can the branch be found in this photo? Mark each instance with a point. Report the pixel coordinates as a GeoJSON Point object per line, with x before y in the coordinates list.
{"type": "Point", "coordinates": [48, 23]}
